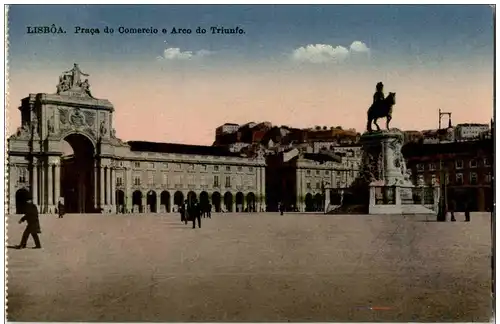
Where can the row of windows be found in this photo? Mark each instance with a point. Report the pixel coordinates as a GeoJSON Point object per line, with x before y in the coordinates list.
{"type": "Point", "coordinates": [459, 164]}
{"type": "Point", "coordinates": [318, 185]}
{"type": "Point", "coordinates": [318, 172]}
{"type": "Point", "coordinates": [190, 166]}
{"type": "Point", "coordinates": [459, 178]}
{"type": "Point", "coordinates": [137, 181]}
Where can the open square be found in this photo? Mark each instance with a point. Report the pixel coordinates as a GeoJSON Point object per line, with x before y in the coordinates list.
{"type": "Point", "coordinates": [252, 267]}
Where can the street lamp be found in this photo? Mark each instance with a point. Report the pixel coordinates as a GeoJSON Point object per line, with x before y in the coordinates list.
{"type": "Point", "coordinates": [443, 197]}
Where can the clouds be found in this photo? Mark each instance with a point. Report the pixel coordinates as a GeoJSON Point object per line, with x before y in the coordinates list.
{"type": "Point", "coordinates": [323, 53]}
{"type": "Point", "coordinates": [175, 53]}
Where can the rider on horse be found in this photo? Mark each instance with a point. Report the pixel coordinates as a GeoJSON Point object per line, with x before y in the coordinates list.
{"type": "Point", "coordinates": [379, 96]}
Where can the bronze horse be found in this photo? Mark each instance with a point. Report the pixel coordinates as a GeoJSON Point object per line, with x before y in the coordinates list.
{"type": "Point", "coordinates": [381, 109]}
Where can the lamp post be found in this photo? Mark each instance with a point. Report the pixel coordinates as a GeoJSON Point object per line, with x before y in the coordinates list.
{"type": "Point", "coordinates": [443, 197]}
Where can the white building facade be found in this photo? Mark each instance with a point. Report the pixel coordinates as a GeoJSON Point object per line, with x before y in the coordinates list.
{"type": "Point", "coordinates": [108, 175]}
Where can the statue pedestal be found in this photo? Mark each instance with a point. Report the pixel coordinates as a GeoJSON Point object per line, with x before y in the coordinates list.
{"type": "Point", "coordinates": [391, 191]}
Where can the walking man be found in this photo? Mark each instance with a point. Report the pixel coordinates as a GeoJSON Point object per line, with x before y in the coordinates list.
{"type": "Point", "coordinates": [196, 214]}
{"type": "Point", "coordinates": [467, 211]}
{"type": "Point", "coordinates": [209, 211]}
{"type": "Point", "coordinates": [32, 227]}
{"type": "Point", "coordinates": [60, 209]}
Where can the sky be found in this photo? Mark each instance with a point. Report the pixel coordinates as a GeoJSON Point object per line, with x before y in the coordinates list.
{"type": "Point", "coordinates": [295, 65]}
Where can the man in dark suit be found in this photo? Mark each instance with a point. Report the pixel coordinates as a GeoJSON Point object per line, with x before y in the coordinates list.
{"type": "Point", "coordinates": [196, 214]}
{"type": "Point", "coordinates": [209, 211]}
{"type": "Point", "coordinates": [60, 209]}
{"type": "Point", "coordinates": [33, 226]}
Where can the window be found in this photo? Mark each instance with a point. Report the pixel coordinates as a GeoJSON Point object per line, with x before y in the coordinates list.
{"type": "Point", "coordinates": [250, 169]}
{"type": "Point", "coordinates": [473, 178]}
{"type": "Point", "coordinates": [22, 175]}
{"type": "Point", "coordinates": [228, 168]}
{"type": "Point", "coordinates": [179, 166]}
{"type": "Point", "coordinates": [228, 182]}
{"type": "Point", "coordinates": [240, 168]}
{"type": "Point", "coordinates": [317, 172]}
{"type": "Point", "coordinates": [459, 164]}
{"type": "Point", "coordinates": [151, 165]}
{"type": "Point", "coordinates": [204, 167]}
{"type": "Point", "coordinates": [216, 168]}
{"type": "Point", "coordinates": [473, 163]}
{"type": "Point", "coordinates": [487, 162]}
{"type": "Point", "coordinates": [151, 178]}
{"type": "Point", "coordinates": [216, 181]}
{"type": "Point", "coordinates": [432, 166]}
{"type": "Point", "coordinates": [318, 186]}
{"type": "Point", "coordinates": [487, 177]}
{"type": "Point", "coordinates": [191, 166]}
{"type": "Point", "coordinates": [308, 172]}
{"type": "Point", "coordinates": [327, 172]}
{"type": "Point", "coordinates": [137, 180]}
{"type": "Point", "coordinates": [165, 179]}
{"type": "Point", "coordinates": [459, 178]}
{"type": "Point", "coordinates": [165, 165]}
{"type": "Point", "coordinates": [338, 183]}
{"type": "Point", "coordinates": [420, 167]}
{"type": "Point", "coordinates": [308, 185]}
{"type": "Point", "coordinates": [137, 164]}
{"type": "Point", "coordinates": [119, 181]}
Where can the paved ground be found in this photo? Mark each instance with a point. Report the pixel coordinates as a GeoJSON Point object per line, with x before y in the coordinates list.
{"type": "Point", "coordinates": [252, 267]}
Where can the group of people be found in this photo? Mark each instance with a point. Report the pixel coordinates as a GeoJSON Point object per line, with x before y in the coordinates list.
{"type": "Point", "coordinates": [194, 211]}
{"type": "Point", "coordinates": [450, 208]}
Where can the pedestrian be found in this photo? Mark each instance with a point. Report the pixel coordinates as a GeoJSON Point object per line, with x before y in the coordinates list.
{"type": "Point", "coordinates": [209, 211]}
{"type": "Point", "coordinates": [32, 227]}
{"type": "Point", "coordinates": [280, 208]}
{"type": "Point", "coordinates": [467, 211]}
{"type": "Point", "coordinates": [196, 214]}
{"type": "Point", "coordinates": [60, 209]}
{"type": "Point", "coordinates": [451, 209]}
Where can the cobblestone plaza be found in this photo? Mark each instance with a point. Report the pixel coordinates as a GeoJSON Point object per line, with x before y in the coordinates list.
{"type": "Point", "coordinates": [252, 267]}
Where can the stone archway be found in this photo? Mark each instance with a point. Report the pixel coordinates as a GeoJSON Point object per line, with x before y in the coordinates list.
{"type": "Point", "coordinates": [251, 202]}
{"type": "Point", "coordinates": [319, 202]}
{"type": "Point", "coordinates": [151, 201]}
{"type": "Point", "coordinates": [22, 196]}
{"type": "Point", "coordinates": [191, 197]}
{"type": "Point", "coordinates": [165, 201]}
{"type": "Point", "coordinates": [216, 201]}
{"type": "Point", "coordinates": [204, 200]}
{"type": "Point", "coordinates": [178, 198]}
{"type": "Point", "coordinates": [240, 202]}
{"type": "Point", "coordinates": [120, 201]}
{"type": "Point", "coordinates": [137, 201]}
{"type": "Point", "coordinates": [309, 202]}
{"type": "Point", "coordinates": [228, 201]}
{"type": "Point", "coordinates": [78, 178]}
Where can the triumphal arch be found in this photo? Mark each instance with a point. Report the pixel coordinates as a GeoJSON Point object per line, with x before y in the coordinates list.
{"type": "Point", "coordinates": [37, 164]}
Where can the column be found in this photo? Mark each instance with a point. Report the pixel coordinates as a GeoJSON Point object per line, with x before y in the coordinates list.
{"type": "Point", "coordinates": [258, 189]}
{"type": "Point", "coordinates": [158, 197]}
{"type": "Point", "coordinates": [171, 203]}
{"type": "Point", "coordinates": [108, 188]}
{"type": "Point", "coordinates": [96, 184]}
{"type": "Point", "coordinates": [263, 181]}
{"type": "Point", "coordinates": [34, 188]}
{"type": "Point", "coordinates": [50, 188]}
{"type": "Point", "coordinates": [298, 191]}
{"type": "Point", "coordinates": [43, 176]}
{"type": "Point", "coordinates": [101, 191]}
{"type": "Point", "coordinates": [327, 199]}
{"type": "Point", "coordinates": [128, 190]}
{"type": "Point", "coordinates": [113, 189]}
{"type": "Point", "coordinates": [57, 184]}
{"type": "Point", "coordinates": [144, 203]}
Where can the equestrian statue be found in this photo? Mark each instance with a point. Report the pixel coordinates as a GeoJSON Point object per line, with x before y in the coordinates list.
{"type": "Point", "coordinates": [381, 107]}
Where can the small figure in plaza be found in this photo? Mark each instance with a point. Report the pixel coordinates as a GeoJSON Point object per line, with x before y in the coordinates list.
{"type": "Point", "coordinates": [280, 208]}
{"type": "Point", "coordinates": [381, 107]}
{"type": "Point", "coordinates": [182, 211]}
{"type": "Point", "coordinates": [195, 212]}
{"type": "Point", "coordinates": [451, 209]}
{"type": "Point", "coordinates": [60, 209]}
{"type": "Point", "coordinates": [32, 227]}
{"type": "Point", "coordinates": [209, 211]}
{"type": "Point", "coordinates": [467, 211]}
